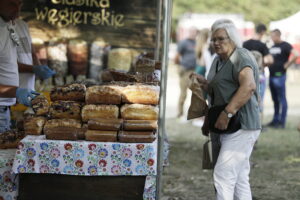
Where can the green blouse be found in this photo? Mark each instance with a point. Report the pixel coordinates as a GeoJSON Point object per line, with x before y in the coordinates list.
{"type": "Point", "coordinates": [223, 83]}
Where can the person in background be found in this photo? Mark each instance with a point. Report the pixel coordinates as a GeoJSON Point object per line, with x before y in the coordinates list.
{"type": "Point", "coordinates": [255, 44]}
{"type": "Point", "coordinates": [281, 52]}
{"type": "Point", "coordinates": [186, 59]}
{"type": "Point", "coordinates": [203, 61]}
{"type": "Point", "coordinates": [9, 75]}
{"type": "Point", "coordinates": [232, 82]}
{"type": "Point", "coordinates": [203, 55]}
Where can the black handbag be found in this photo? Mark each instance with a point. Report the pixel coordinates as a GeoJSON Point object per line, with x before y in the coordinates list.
{"type": "Point", "coordinates": [207, 157]}
{"type": "Point", "coordinates": [213, 114]}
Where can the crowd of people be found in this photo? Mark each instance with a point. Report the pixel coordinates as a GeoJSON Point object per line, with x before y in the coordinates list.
{"type": "Point", "coordinates": [196, 53]}
{"type": "Point", "coordinates": [234, 80]}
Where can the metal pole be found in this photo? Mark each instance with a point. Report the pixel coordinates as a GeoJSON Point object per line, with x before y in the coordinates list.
{"type": "Point", "coordinates": [167, 8]}
{"type": "Point", "coordinates": [158, 29]}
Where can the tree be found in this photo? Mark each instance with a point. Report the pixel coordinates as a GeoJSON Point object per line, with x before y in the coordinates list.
{"type": "Point", "coordinates": [262, 11]}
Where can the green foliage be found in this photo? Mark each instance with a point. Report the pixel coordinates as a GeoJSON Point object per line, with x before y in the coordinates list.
{"type": "Point", "coordinates": [253, 10]}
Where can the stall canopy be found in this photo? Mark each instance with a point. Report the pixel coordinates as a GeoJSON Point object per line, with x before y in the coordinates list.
{"type": "Point", "coordinates": [205, 20]}
{"type": "Point", "coordinates": [288, 27]}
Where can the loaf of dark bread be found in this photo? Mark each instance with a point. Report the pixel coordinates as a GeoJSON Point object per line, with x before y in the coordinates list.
{"type": "Point", "coordinates": [10, 139]}
{"type": "Point", "coordinates": [140, 125]}
{"type": "Point", "coordinates": [40, 105]}
{"type": "Point", "coordinates": [101, 136]}
{"type": "Point", "coordinates": [34, 125]}
{"type": "Point", "coordinates": [66, 109]}
{"type": "Point", "coordinates": [62, 129]}
{"type": "Point", "coordinates": [136, 136]}
{"type": "Point", "coordinates": [72, 92]}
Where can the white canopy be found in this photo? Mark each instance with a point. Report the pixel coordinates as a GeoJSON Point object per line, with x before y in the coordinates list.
{"type": "Point", "coordinates": [289, 27]}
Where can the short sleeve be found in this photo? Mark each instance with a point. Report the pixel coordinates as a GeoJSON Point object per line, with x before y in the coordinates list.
{"type": "Point", "coordinates": [244, 59]}
{"type": "Point", "coordinates": [288, 48]}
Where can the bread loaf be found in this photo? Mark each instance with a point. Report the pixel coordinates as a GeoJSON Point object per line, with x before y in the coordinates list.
{"type": "Point", "coordinates": [34, 125]}
{"type": "Point", "coordinates": [62, 129]}
{"type": "Point", "coordinates": [66, 109]}
{"type": "Point", "coordinates": [40, 105]}
{"type": "Point", "coordinates": [73, 92]}
{"type": "Point", "coordinates": [142, 94]}
{"type": "Point", "coordinates": [81, 133]}
{"type": "Point", "coordinates": [99, 111]}
{"type": "Point", "coordinates": [105, 124]}
{"type": "Point", "coordinates": [104, 94]}
{"type": "Point", "coordinates": [139, 112]}
{"type": "Point", "coordinates": [140, 125]}
{"type": "Point", "coordinates": [123, 76]}
{"type": "Point", "coordinates": [97, 54]}
{"type": "Point", "coordinates": [57, 57]}
{"type": "Point", "coordinates": [10, 139]}
{"type": "Point", "coordinates": [120, 59]}
{"type": "Point", "coordinates": [78, 57]}
{"type": "Point", "coordinates": [101, 136]}
{"type": "Point", "coordinates": [136, 136]}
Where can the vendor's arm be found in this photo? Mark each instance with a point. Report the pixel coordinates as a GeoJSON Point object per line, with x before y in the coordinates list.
{"type": "Point", "coordinates": [42, 71]}
{"type": "Point", "coordinates": [241, 97]}
{"type": "Point", "coordinates": [23, 68]}
{"type": "Point", "coordinates": [292, 59]}
{"type": "Point", "coordinates": [35, 59]}
{"type": "Point", "coordinates": [23, 95]}
{"type": "Point", "coordinates": [201, 79]}
{"type": "Point", "coordinates": [7, 91]}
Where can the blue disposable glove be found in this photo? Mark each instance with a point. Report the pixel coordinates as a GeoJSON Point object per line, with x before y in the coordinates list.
{"type": "Point", "coordinates": [43, 71]}
{"type": "Point", "coordinates": [24, 96]}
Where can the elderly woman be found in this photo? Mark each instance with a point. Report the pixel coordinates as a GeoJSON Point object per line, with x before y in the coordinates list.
{"type": "Point", "coordinates": [232, 84]}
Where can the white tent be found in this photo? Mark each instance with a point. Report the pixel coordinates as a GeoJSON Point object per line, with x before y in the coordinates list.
{"type": "Point", "coordinates": [289, 27]}
{"type": "Point", "coordinates": [201, 20]}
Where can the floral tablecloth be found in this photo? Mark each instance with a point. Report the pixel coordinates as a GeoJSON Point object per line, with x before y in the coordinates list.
{"type": "Point", "coordinates": [38, 155]}
{"type": "Point", "coordinates": [8, 182]}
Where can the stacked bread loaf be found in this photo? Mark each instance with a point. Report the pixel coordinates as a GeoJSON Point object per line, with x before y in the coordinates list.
{"type": "Point", "coordinates": [140, 113]}
{"type": "Point", "coordinates": [106, 113]}
{"type": "Point", "coordinates": [65, 113]}
{"type": "Point", "coordinates": [33, 124]}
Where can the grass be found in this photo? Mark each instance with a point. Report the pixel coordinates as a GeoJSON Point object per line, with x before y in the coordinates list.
{"type": "Point", "coordinates": [276, 175]}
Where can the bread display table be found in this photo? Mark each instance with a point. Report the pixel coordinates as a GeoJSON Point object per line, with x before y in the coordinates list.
{"type": "Point", "coordinates": [8, 188]}
{"type": "Point", "coordinates": [36, 155]}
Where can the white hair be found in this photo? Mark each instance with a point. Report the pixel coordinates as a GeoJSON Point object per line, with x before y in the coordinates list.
{"type": "Point", "coordinates": [230, 28]}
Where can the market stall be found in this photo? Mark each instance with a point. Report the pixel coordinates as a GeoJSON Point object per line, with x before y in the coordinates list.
{"type": "Point", "coordinates": [99, 131]}
{"type": "Point", "coordinates": [37, 155]}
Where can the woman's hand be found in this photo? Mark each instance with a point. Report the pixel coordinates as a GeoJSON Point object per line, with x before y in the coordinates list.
{"type": "Point", "coordinates": [222, 122]}
{"type": "Point", "coordinates": [201, 79]}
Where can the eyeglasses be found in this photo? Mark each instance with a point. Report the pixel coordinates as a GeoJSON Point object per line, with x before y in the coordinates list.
{"type": "Point", "coordinates": [218, 39]}
{"type": "Point", "coordinates": [13, 36]}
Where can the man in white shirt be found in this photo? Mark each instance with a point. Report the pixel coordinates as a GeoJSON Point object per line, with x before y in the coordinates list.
{"type": "Point", "coordinates": [9, 75]}
{"type": "Point", "coordinates": [28, 63]}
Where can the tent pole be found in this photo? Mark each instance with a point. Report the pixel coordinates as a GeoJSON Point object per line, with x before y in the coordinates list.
{"type": "Point", "coordinates": [167, 14]}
